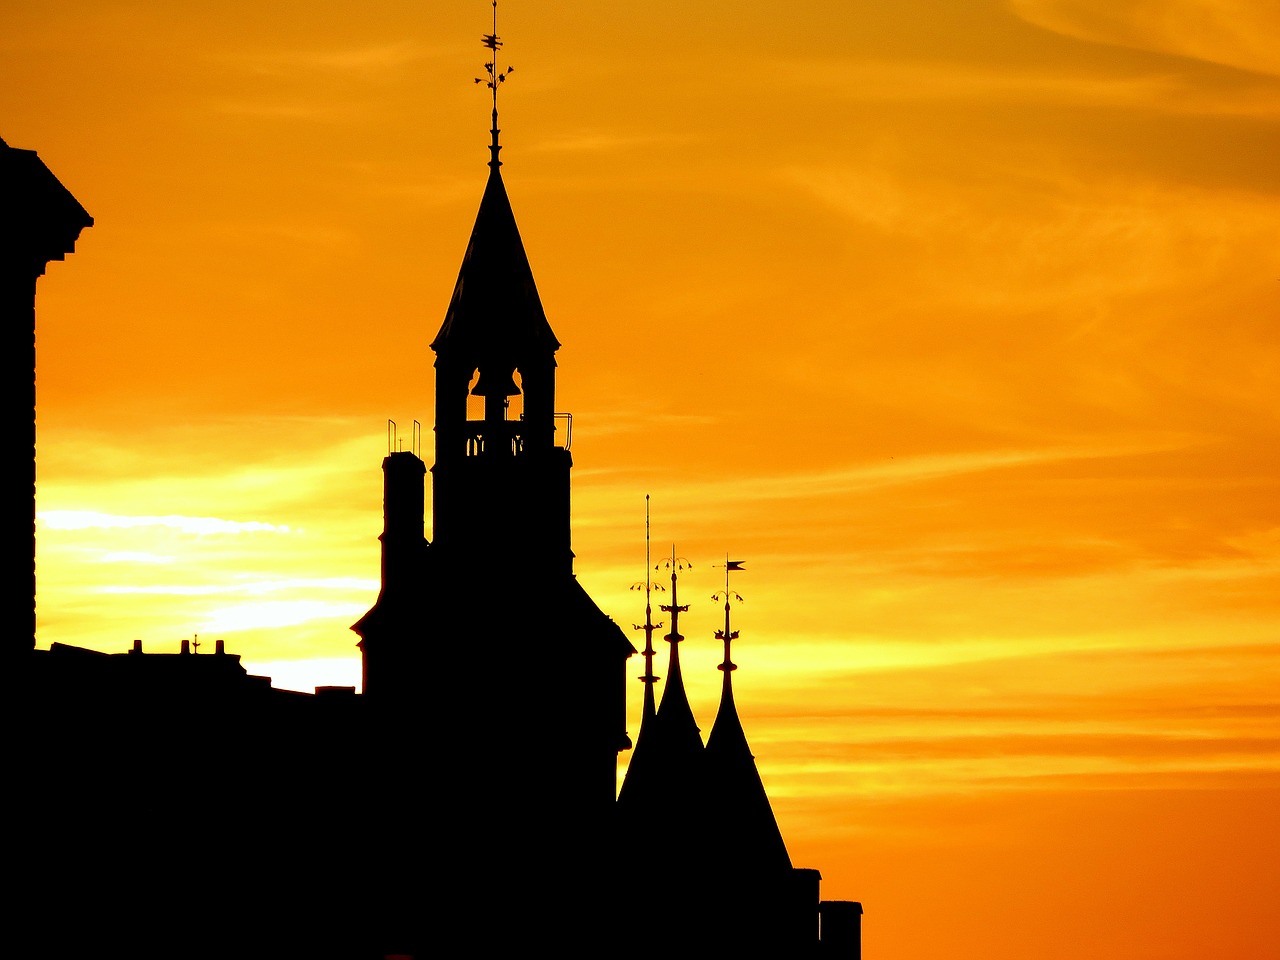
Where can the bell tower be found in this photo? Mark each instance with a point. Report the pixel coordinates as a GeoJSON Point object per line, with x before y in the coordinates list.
{"type": "Point", "coordinates": [489, 672]}
{"type": "Point", "coordinates": [500, 481]}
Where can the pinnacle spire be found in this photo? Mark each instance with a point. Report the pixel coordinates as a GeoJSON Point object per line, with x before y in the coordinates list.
{"type": "Point", "coordinates": [665, 770]}
{"type": "Point", "coordinates": [674, 692]}
{"type": "Point", "coordinates": [747, 837]}
{"type": "Point", "coordinates": [727, 727]}
{"type": "Point", "coordinates": [495, 311]}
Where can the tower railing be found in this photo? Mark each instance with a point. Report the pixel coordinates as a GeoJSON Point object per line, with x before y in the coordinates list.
{"type": "Point", "coordinates": [568, 428]}
{"type": "Point", "coordinates": [507, 436]}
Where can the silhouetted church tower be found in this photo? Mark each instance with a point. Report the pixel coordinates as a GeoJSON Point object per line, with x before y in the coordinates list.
{"type": "Point", "coordinates": [501, 482]}
{"type": "Point", "coordinates": [488, 665]}
{"type": "Point", "coordinates": [464, 804]}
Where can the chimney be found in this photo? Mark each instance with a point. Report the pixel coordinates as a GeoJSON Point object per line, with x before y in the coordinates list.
{"type": "Point", "coordinates": [841, 928]}
{"type": "Point", "coordinates": [137, 646]}
{"type": "Point", "coordinates": [403, 512]}
{"type": "Point", "coordinates": [186, 646]}
{"type": "Point", "coordinates": [802, 906]}
{"type": "Point", "coordinates": [220, 647]}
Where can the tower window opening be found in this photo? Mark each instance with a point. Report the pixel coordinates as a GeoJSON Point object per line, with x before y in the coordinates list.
{"type": "Point", "coordinates": [475, 404]}
{"type": "Point", "coordinates": [515, 403]}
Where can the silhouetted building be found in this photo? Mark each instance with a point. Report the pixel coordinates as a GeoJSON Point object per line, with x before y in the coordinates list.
{"type": "Point", "coordinates": [464, 801]}
{"type": "Point", "coordinates": [483, 653]}
{"type": "Point", "coordinates": [712, 843]}
{"type": "Point", "coordinates": [172, 805]}
{"type": "Point", "coordinates": [39, 221]}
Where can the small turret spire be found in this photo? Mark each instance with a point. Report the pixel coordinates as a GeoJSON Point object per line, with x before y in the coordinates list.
{"type": "Point", "coordinates": [673, 692]}
{"type": "Point", "coordinates": [747, 843]}
{"type": "Point", "coordinates": [494, 78]}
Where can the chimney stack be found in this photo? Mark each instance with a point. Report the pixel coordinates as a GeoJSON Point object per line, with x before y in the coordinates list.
{"type": "Point", "coordinates": [841, 928]}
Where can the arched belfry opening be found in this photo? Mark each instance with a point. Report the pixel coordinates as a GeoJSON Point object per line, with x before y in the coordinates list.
{"type": "Point", "coordinates": [475, 402]}
{"type": "Point", "coordinates": [496, 424]}
{"type": "Point", "coordinates": [515, 402]}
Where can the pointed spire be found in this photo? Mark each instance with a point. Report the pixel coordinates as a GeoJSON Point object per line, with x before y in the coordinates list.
{"type": "Point", "coordinates": [748, 840]}
{"type": "Point", "coordinates": [665, 770]}
{"type": "Point", "coordinates": [674, 708]}
{"type": "Point", "coordinates": [727, 729]}
{"type": "Point", "coordinates": [495, 312]}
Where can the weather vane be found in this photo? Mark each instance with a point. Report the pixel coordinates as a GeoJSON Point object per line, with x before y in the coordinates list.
{"type": "Point", "coordinates": [495, 77]}
{"type": "Point", "coordinates": [727, 635]}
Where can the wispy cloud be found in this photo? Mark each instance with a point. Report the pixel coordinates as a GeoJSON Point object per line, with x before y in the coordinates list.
{"type": "Point", "coordinates": [374, 58]}
{"type": "Point", "coordinates": [1236, 33]}
{"type": "Point", "coordinates": [964, 83]}
{"type": "Point", "coordinates": [94, 520]}
{"type": "Point", "coordinates": [279, 613]}
{"type": "Point", "coordinates": [598, 142]}
{"type": "Point", "coordinates": [239, 586]}
{"type": "Point", "coordinates": [136, 556]}
{"type": "Point", "coordinates": [894, 471]}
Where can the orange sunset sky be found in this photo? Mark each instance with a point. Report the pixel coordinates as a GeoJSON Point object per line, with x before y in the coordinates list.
{"type": "Point", "coordinates": [957, 320]}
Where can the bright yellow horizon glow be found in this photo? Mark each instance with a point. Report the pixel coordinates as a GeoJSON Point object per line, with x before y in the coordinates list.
{"type": "Point", "coordinates": [956, 320]}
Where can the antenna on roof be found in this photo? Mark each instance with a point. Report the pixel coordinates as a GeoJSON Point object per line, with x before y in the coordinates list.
{"type": "Point", "coordinates": [495, 77]}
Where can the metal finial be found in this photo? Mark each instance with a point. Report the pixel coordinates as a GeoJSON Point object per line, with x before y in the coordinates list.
{"type": "Point", "coordinates": [728, 635]}
{"type": "Point", "coordinates": [494, 78]}
{"type": "Point", "coordinates": [647, 585]}
{"type": "Point", "coordinates": [675, 565]}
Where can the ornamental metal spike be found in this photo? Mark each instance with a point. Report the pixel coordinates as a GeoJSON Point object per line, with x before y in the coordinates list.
{"type": "Point", "coordinates": [728, 635]}
{"type": "Point", "coordinates": [675, 565]}
{"type": "Point", "coordinates": [493, 43]}
{"type": "Point", "coordinates": [647, 585]}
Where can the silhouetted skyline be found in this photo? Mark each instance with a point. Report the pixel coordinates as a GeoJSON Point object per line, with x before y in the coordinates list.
{"type": "Point", "coordinates": [957, 321]}
{"type": "Point", "coordinates": [457, 773]}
